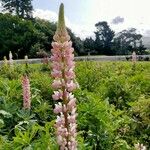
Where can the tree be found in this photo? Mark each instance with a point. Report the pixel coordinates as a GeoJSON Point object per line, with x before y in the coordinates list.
{"type": "Point", "coordinates": [16, 35]}
{"type": "Point", "coordinates": [22, 8]}
{"type": "Point", "coordinates": [89, 45]}
{"type": "Point", "coordinates": [104, 36]}
{"type": "Point", "coordinates": [22, 36]}
{"type": "Point", "coordinates": [27, 37]}
{"type": "Point", "coordinates": [141, 49]}
{"type": "Point", "coordinates": [128, 41]}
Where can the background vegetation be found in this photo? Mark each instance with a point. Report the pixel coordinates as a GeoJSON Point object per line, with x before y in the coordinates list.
{"type": "Point", "coordinates": [113, 107]}
{"type": "Point", "coordinates": [24, 35]}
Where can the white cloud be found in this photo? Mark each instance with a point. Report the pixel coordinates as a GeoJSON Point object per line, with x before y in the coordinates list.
{"type": "Point", "coordinates": [0, 7]}
{"type": "Point", "coordinates": [80, 30]}
{"type": "Point", "coordinates": [134, 12]}
{"type": "Point", "coordinates": [45, 14]}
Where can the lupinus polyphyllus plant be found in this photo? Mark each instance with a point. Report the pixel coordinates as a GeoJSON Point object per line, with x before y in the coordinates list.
{"type": "Point", "coordinates": [64, 83]}
{"type": "Point", "coordinates": [26, 92]}
{"type": "Point", "coordinates": [134, 57]}
{"type": "Point", "coordinates": [10, 59]}
{"type": "Point", "coordinates": [26, 87]}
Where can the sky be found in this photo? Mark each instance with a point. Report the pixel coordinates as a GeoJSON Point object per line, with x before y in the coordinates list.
{"type": "Point", "coordinates": [82, 15]}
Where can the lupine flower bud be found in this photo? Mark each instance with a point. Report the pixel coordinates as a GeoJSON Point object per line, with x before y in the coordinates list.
{"type": "Point", "coordinates": [10, 59]}
{"type": "Point", "coordinates": [63, 84]}
{"type": "Point", "coordinates": [26, 92]}
{"type": "Point", "coordinates": [134, 57]}
{"type": "Point", "coordinates": [26, 58]}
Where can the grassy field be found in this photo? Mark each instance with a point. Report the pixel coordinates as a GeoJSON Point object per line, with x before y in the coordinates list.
{"type": "Point", "coordinates": [113, 107]}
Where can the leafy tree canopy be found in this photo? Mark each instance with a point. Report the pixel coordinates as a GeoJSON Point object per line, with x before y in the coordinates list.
{"type": "Point", "coordinates": [21, 8]}
{"type": "Point", "coordinates": [27, 37]}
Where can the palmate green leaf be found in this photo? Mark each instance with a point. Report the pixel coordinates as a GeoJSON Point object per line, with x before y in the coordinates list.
{"type": "Point", "coordinates": [28, 148]}
{"type": "Point", "coordinates": [10, 89]}
{"type": "Point", "coordinates": [5, 144]}
{"type": "Point", "coordinates": [47, 139]}
{"type": "Point", "coordinates": [121, 145]}
{"type": "Point", "coordinates": [24, 138]}
{"type": "Point", "coordinates": [25, 114]}
{"type": "Point", "coordinates": [20, 127]}
{"type": "Point", "coordinates": [24, 125]}
{"type": "Point", "coordinates": [5, 114]}
{"type": "Point", "coordinates": [1, 123]}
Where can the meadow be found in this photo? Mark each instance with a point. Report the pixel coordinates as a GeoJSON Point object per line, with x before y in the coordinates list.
{"type": "Point", "coordinates": [113, 106]}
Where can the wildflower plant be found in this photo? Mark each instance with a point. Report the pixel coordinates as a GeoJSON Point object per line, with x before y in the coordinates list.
{"type": "Point", "coordinates": [26, 86]}
{"type": "Point", "coordinates": [64, 84]}
{"type": "Point", "coordinates": [26, 92]}
{"type": "Point", "coordinates": [10, 59]}
{"type": "Point", "coordinates": [134, 57]}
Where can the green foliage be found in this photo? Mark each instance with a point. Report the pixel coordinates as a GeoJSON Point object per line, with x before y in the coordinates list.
{"type": "Point", "coordinates": [121, 144]}
{"type": "Point", "coordinates": [89, 80]}
{"type": "Point", "coordinates": [104, 36]}
{"type": "Point", "coordinates": [112, 102]}
{"type": "Point", "coordinates": [95, 121]}
{"type": "Point", "coordinates": [89, 45]}
{"type": "Point", "coordinates": [27, 37]}
{"type": "Point", "coordinates": [120, 85]}
{"type": "Point", "coordinates": [140, 111]}
{"type": "Point", "coordinates": [17, 35]}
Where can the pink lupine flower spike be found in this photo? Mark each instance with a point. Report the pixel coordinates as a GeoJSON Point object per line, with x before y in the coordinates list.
{"type": "Point", "coordinates": [63, 73]}
{"type": "Point", "coordinates": [26, 92]}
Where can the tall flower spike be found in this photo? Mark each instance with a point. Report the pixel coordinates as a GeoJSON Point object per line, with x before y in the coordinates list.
{"type": "Point", "coordinates": [63, 84]}
{"type": "Point", "coordinates": [26, 92]}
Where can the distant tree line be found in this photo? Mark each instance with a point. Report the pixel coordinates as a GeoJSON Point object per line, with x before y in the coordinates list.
{"type": "Point", "coordinates": [28, 37]}
{"type": "Point", "coordinates": [108, 43]}
{"type": "Point", "coordinates": [24, 35]}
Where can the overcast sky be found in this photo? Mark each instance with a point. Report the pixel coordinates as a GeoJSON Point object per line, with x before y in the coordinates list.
{"type": "Point", "coordinates": [81, 15]}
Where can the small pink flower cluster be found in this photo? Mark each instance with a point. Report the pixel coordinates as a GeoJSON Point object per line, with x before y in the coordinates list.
{"type": "Point", "coordinates": [26, 92]}
{"type": "Point", "coordinates": [63, 73]}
